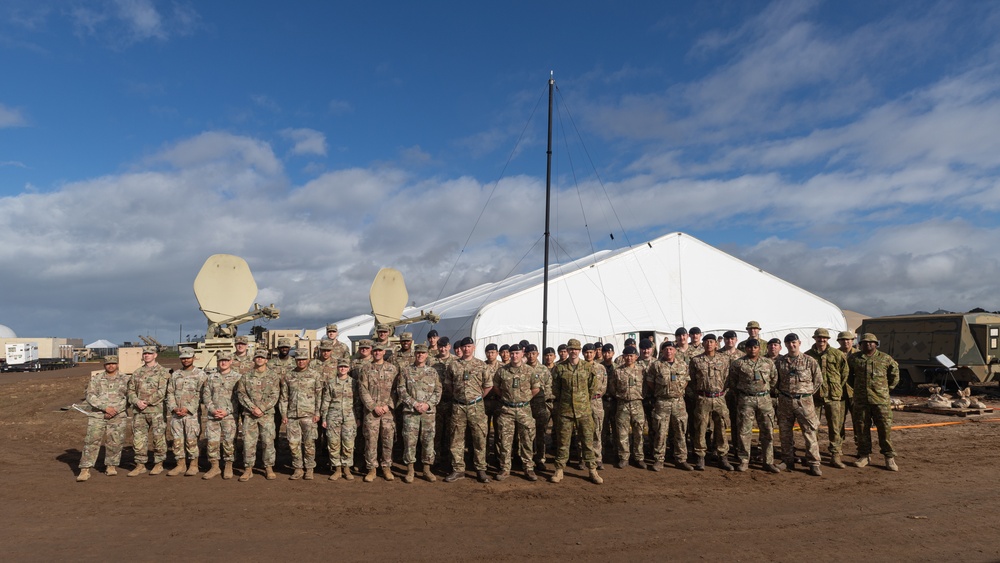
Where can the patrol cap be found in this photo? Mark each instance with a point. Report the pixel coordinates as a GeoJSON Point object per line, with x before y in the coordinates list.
{"type": "Point", "coordinates": [224, 356]}
{"type": "Point", "coordinates": [709, 336]}
{"type": "Point", "coordinates": [186, 353]}
{"type": "Point", "coordinates": [561, 347]}
{"type": "Point", "coordinates": [326, 345]}
{"type": "Point", "coordinates": [588, 347]}
{"type": "Point", "coordinates": [331, 327]}
{"type": "Point", "coordinates": [869, 337]}
{"type": "Point", "coordinates": [284, 343]}
{"type": "Point", "coordinates": [530, 348]}
{"type": "Point", "coordinates": [630, 341]}
{"type": "Point", "coordinates": [845, 335]}
{"type": "Point", "coordinates": [112, 359]}
{"type": "Point", "coordinates": [549, 350]}
{"type": "Point", "coordinates": [680, 331]}
{"type": "Point", "coordinates": [342, 363]}
{"type": "Point", "coordinates": [609, 347]}
{"type": "Point", "coordinates": [381, 328]}
{"type": "Point", "coordinates": [753, 343]}
{"type": "Point", "coordinates": [149, 349]}
{"type": "Point", "coordinates": [645, 344]}
{"type": "Point", "coordinates": [774, 341]}
{"type": "Point", "coordinates": [301, 354]}
{"type": "Point", "coordinates": [378, 347]}
{"type": "Point", "coordinates": [466, 341]}
{"type": "Point", "coordinates": [406, 337]}
{"type": "Point", "coordinates": [694, 330]}
{"type": "Point", "coordinates": [821, 333]}
{"type": "Point", "coordinates": [491, 346]}
{"type": "Point", "coordinates": [753, 324]}
{"type": "Point", "coordinates": [791, 337]}
{"type": "Point", "coordinates": [420, 349]}
{"type": "Point", "coordinates": [365, 343]}
{"type": "Point", "coordinates": [242, 340]}
{"type": "Point", "coordinates": [443, 342]}
{"type": "Point", "coordinates": [729, 334]}
{"type": "Point", "coordinates": [515, 348]}
{"type": "Point", "coordinates": [629, 350]}
{"type": "Point", "coordinates": [666, 344]}
{"type": "Point", "coordinates": [260, 353]}
{"type": "Point", "coordinates": [573, 344]}
{"type": "Point", "coordinates": [432, 333]}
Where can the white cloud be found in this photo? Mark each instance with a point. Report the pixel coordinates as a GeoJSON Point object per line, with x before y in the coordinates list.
{"type": "Point", "coordinates": [306, 141]}
{"type": "Point", "coordinates": [11, 117]}
{"type": "Point", "coordinates": [121, 23]}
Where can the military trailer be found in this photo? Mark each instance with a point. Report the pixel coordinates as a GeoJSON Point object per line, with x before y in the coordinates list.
{"type": "Point", "coordinates": [971, 340]}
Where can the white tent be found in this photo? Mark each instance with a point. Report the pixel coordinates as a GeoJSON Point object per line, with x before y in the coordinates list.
{"type": "Point", "coordinates": [647, 290]}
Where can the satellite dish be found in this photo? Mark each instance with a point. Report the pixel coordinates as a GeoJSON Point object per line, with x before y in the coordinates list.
{"type": "Point", "coordinates": [388, 296]}
{"type": "Point", "coordinates": [224, 287]}
{"type": "Point", "coordinates": [945, 361]}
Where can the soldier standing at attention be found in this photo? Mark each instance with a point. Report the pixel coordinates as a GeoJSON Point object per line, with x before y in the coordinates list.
{"type": "Point", "coordinates": [283, 361]}
{"type": "Point", "coordinates": [107, 397]}
{"type": "Point", "coordinates": [466, 382]}
{"type": "Point", "coordinates": [696, 346]}
{"type": "Point", "coordinates": [590, 355]}
{"type": "Point", "coordinates": [773, 349]}
{"type": "Point", "coordinates": [183, 402]}
{"type": "Point", "coordinates": [419, 390]}
{"type": "Point", "coordinates": [492, 402]}
{"type": "Point", "coordinates": [709, 373]}
{"type": "Point", "coordinates": [573, 386]}
{"type": "Point", "coordinates": [376, 387]}
{"type": "Point", "coordinates": [442, 424]}
{"type": "Point", "coordinates": [681, 344]}
{"type": "Point", "coordinates": [219, 396]}
{"type": "Point", "coordinates": [258, 392]}
{"type": "Point", "coordinates": [563, 352]}
{"type": "Point", "coordinates": [405, 355]}
{"type": "Point", "coordinates": [753, 377]}
{"type": "Point", "coordinates": [845, 341]}
{"type": "Point", "coordinates": [337, 407]}
{"type": "Point", "coordinates": [516, 383]}
{"type": "Point", "coordinates": [147, 390]}
{"type": "Point", "coordinates": [730, 351]}
{"type": "Point", "coordinates": [503, 352]}
{"type": "Point", "coordinates": [339, 349]}
{"type": "Point", "coordinates": [753, 329]}
{"type": "Point", "coordinates": [242, 359]}
{"type": "Point", "coordinates": [830, 396]}
{"type": "Point", "coordinates": [299, 402]}
{"type": "Point", "coordinates": [873, 373]}
{"type": "Point", "coordinates": [382, 333]}
{"type": "Point", "coordinates": [549, 357]}
{"type": "Point", "coordinates": [666, 381]}
{"type": "Point", "coordinates": [432, 346]}
{"type": "Point", "coordinates": [799, 377]}
{"type": "Point", "coordinates": [541, 403]}
{"type": "Point", "coordinates": [630, 419]}
{"type": "Point", "coordinates": [607, 357]}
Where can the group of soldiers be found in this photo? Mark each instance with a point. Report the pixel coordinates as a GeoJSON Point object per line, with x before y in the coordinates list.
{"type": "Point", "coordinates": [440, 392]}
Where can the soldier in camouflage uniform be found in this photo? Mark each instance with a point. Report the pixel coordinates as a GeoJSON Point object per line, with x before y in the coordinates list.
{"type": "Point", "coordinates": [419, 390]}
{"type": "Point", "coordinates": [258, 392]}
{"type": "Point", "coordinates": [466, 383]}
{"type": "Point", "coordinates": [630, 420]}
{"type": "Point", "coordinates": [799, 377]}
{"type": "Point", "coordinates": [753, 377]}
{"type": "Point", "coordinates": [147, 390]}
{"type": "Point", "coordinates": [873, 374]}
{"type": "Point", "coordinates": [573, 386]}
{"type": "Point", "coordinates": [516, 384]}
{"type": "Point", "coordinates": [219, 396]}
{"type": "Point", "coordinates": [242, 359]}
{"type": "Point", "coordinates": [107, 397]}
{"type": "Point", "coordinates": [773, 349]}
{"type": "Point", "coordinates": [541, 403]}
{"type": "Point", "coordinates": [442, 424]}
{"type": "Point", "coordinates": [830, 396]}
{"type": "Point", "coordinates": [376, 387]}
{"type": "Point", "coordinates": [406, 353]}
{"type": "Point", "coordinates": [845, 343]}
{"type": "Point", "coordinates": [732, 352]}
{"type": "Point", "coordinates": [283, 362]}
{"type": "Point", "coordinates": [432, 346]}
{"type": "Point", "coordinates": [682, 345]}
{"type": "Point", "coordinates": [697, 347]}
{"type": "Point", "coordinates": [601, 382]}
{"type": "Point", "coordinates": [299, 402]}
{"type": "Point", "coordinates": [753, 329]}
{"type": "Point", "coordinates": [183, 404]}
{"type": "Point", "coordinates": [666, 381]}
{"type": "Point", "coordinates": [709, 373]}
{"type": "Point", "coordinates": [359, 360]}
{"type": "Point", "coordinates": [339, 349]}
{"type": "Point", "coordinates": [338, 407]}
{"type": "Point", "coordinates": [382, 334]}
{"type": "Point", "coordinates": [491, 403]}
{"type": "Point", "coordinates": [608, 402]}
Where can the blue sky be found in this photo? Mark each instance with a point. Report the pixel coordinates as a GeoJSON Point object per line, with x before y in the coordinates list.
{"type": "Point", "coordinates": [852, 148]}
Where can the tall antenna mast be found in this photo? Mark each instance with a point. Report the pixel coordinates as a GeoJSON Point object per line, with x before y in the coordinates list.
{"type": "Point", "coordinates": [548, 202]}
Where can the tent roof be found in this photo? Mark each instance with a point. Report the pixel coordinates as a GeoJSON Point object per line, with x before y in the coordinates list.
{"type": "Point", "coordinates": [102, 344]}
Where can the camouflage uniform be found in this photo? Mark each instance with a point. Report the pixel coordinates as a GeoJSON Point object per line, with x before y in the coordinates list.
{"type": "Point", "coordinates": [709, 374]}
{"type": "Point", "coordinates": [601, 383]}
{"type": "Point", "coordinates": [830, 396]}
{"type": "Point", "coordinates": [733, 354]}
{"type": "Point", "coordinates": [184, 391]}
{"type": "Point", "coordinates": [753, 381]}
{"type": "Point", "coordinates": [340, 350]}
{"type": "Point", "coordinates": [259, 390]}
{"type": "Point", "coordinates": [148, 384]}
{"type": "Point", "coordinates": [376, 388]}
{"type": "Point", "coordinates": [573, 388]}
{"type": "Point", "coordinates": [514, 385]}
{"type": "Point", "coordinates": [338, 406]}
{"type": "Point", "coordinates": [419, 385]}
{"type": "Point", "coordinates": [872, 377]}
{"type": "Point", "coordinates": [491, 404]}
{"type": "Point", "coordinates": [105, 391]}
{"type": "Point", "coordinates": [466, 383]}
{"type": "Point", "coordinates": [299, 402]}
{"type": "Point", "coordinates": [630, 418]}
{"type": "Point", "coordinates": [541, 409]}
{"type": "Point", "coordinates": [669, 382]}
{"type": "Point", "coordinates": [242, 364]}
{"type": "Point", "coordinates": [281, 366]}
{"type": "Point", "coordinates": [442, 423]}
{"type": "Point", "coordinates": [219, 392]}
{"type": "Point", "coordinates": [799, 377]}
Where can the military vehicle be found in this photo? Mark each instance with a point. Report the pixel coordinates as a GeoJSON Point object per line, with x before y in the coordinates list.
{"type": "Point", "coordinates": [225, 290]}
{"type": "Point", "coordinates": [971, 341]}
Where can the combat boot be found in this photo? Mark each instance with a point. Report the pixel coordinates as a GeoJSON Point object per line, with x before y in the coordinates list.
{"type": "Point", "coordinates": [269, 473]}
{"type": "Point", "coordinates": [370, 476]}
{"type": "Point", "coordinates": [348, 476]}
{"type": "Point", "coordinates": [787, 465]}
{"type": "Point", "coordinates": [212, 471]}
{"type": "Point", "coordinates": [724, 464]}
{"type": "Point", "coordinates": [387, 472]}
{"type": "Point", "coordinates": [228, 473]}
{"type": "Point", "coordinates": [157, 468]}
{"type": "Point", "coordinates": [428, 474]}
{"type": "Point", "coordinates": [309, 474]}
{"type": "Point", "coordinates": [890, 464]}
{"type": "Point", "coordinates": [685, 466]}
{"type": "Point", "coordinates": [621, 463]}
{"type": "Point", "coordinates": [192, 468]}
{"type": "Point", "coordinates": [557, 476]}
{"type": "Point", "coordinates": [139, 470]}
{"type": "Point", "coordinates": [862, 461]}
{"type": "Point", "coordinates": [408, 478]}
{"type": "Point", "coordinates": [596, 477]}
{"type": "Point", "coordinates": [454, 476]}
{"type": "Point", "coordinates": [247, 474]}
{"type": "Point", "coordinates": [772, 468]}
{"type": "Point", "coordinates": [815, 471]}
{"type": "Point", "coordinates": [296, 475]}
{"type": "Point", "coordinates": [640, 464]}
{"type": "Point", "coordinates": [336, 474]}
{"type": "Point", "coordinates": [700, 464]}
{"type": "Point", "coordinates": [502, 475]}
{"type": "Point", "coordinates": [84, 475]}
{"type": "Point", "coordinates": [540, 465]}
{"type": "Point", "coordinates": [529, 474]}
{"type": "Point", "coordinates": [111, 471]}
{"type": "Point", "coordinates": [482, 477]}
{"type": "Point", "coordinates": [181, 467]}
{"type": "Point", "coordinates": [837, 462]}
{"type": "Point", "coordinates": [657, 465]}
{"type": "Point", "coordinates": [743, 466]}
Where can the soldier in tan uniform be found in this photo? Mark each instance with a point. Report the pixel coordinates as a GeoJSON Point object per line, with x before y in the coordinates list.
{"type": "Point", "coordinates": [258, 392]}
{"type": "Point", "coordinates": [432, 346]}
{"type": "Point", "coordinates": [709, 374]}
{"type": "Point", "coordinates": [666, 381]}
{"type": "Point", "coordinates": [299, 403]}
{"type": "Point", "coordinates": [516, 384]}
{"type": "Point", "coordinates": [219, 397]}
{"type": "Point", "coordinates": [337, 408]}
{"type": "Point", "coordinates": [376, 387]}
{"type": "Point", "coordinates": [597, 401]}
{"type": "Point", "coordinates": [630, 419]}
{"type": "Point", "coordinates": [107, 397]}
{"type": "Point", "coordinates": [541, 404]}
{"type": "Point", "coordinates": [242, 359]}
{"type": "Point", "coordinates": [419, 390]}
{"type": "Point", "coordinates": [492, 401]}
{"type": "Point", "coordinates": [830, 396]}
{"type": "Point", "coordinates": [466, 382]}
{"type": "Point", "coordinates": [183, 404]}
{"type": "Point", "coordinates": [799, 377]}
{"type": "Point", "coordinates": [147, 391]}
{"type": "Point", "coordinates": [573, 386]}
{"type": "Point", "coordinates": [339, 349]}
{"type": "Point", "coordinates": [752, 379]}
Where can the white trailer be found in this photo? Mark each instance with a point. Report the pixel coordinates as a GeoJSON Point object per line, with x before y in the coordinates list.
{"type": "Point", "coordinates": [22, 356]}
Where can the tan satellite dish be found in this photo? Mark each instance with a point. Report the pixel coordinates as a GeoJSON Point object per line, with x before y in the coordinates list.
{"type": "Point", "coordinates": [388, 296]}
{"type": "Point", "coordinates": [225, 288]}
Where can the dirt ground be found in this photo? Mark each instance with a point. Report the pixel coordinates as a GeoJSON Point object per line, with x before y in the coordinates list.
{"type": "Point", "coordinates": [941, 505]}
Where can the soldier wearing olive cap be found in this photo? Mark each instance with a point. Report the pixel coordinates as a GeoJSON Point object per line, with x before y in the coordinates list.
{"type": "Point", "coordinates": [873, 374]}
{"type": "Point", "coordinates": [258, 392]}
{"type": "Point", "coordinates": [753, 329]}
{"type": "Point", "coordinates": [219, 397]}
{"type": "Point", "coordinates": [573, 386]}
{"type": "Point", "coordinates": [830, 396]}
{"type": "Point", "coordinates": [419, 391]}
{"type": "Point", "coordinates": [107, 397]}
{"type": "Point", "coordinates": [183, 404]}
{"type": "Point", "coordinates": [339, 349]}
{"type": "Point", "coordinates": [337, 408]}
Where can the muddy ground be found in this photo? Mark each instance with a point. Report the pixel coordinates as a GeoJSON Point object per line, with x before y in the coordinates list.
{"type": "Point", "coordinates": [941, 505]}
